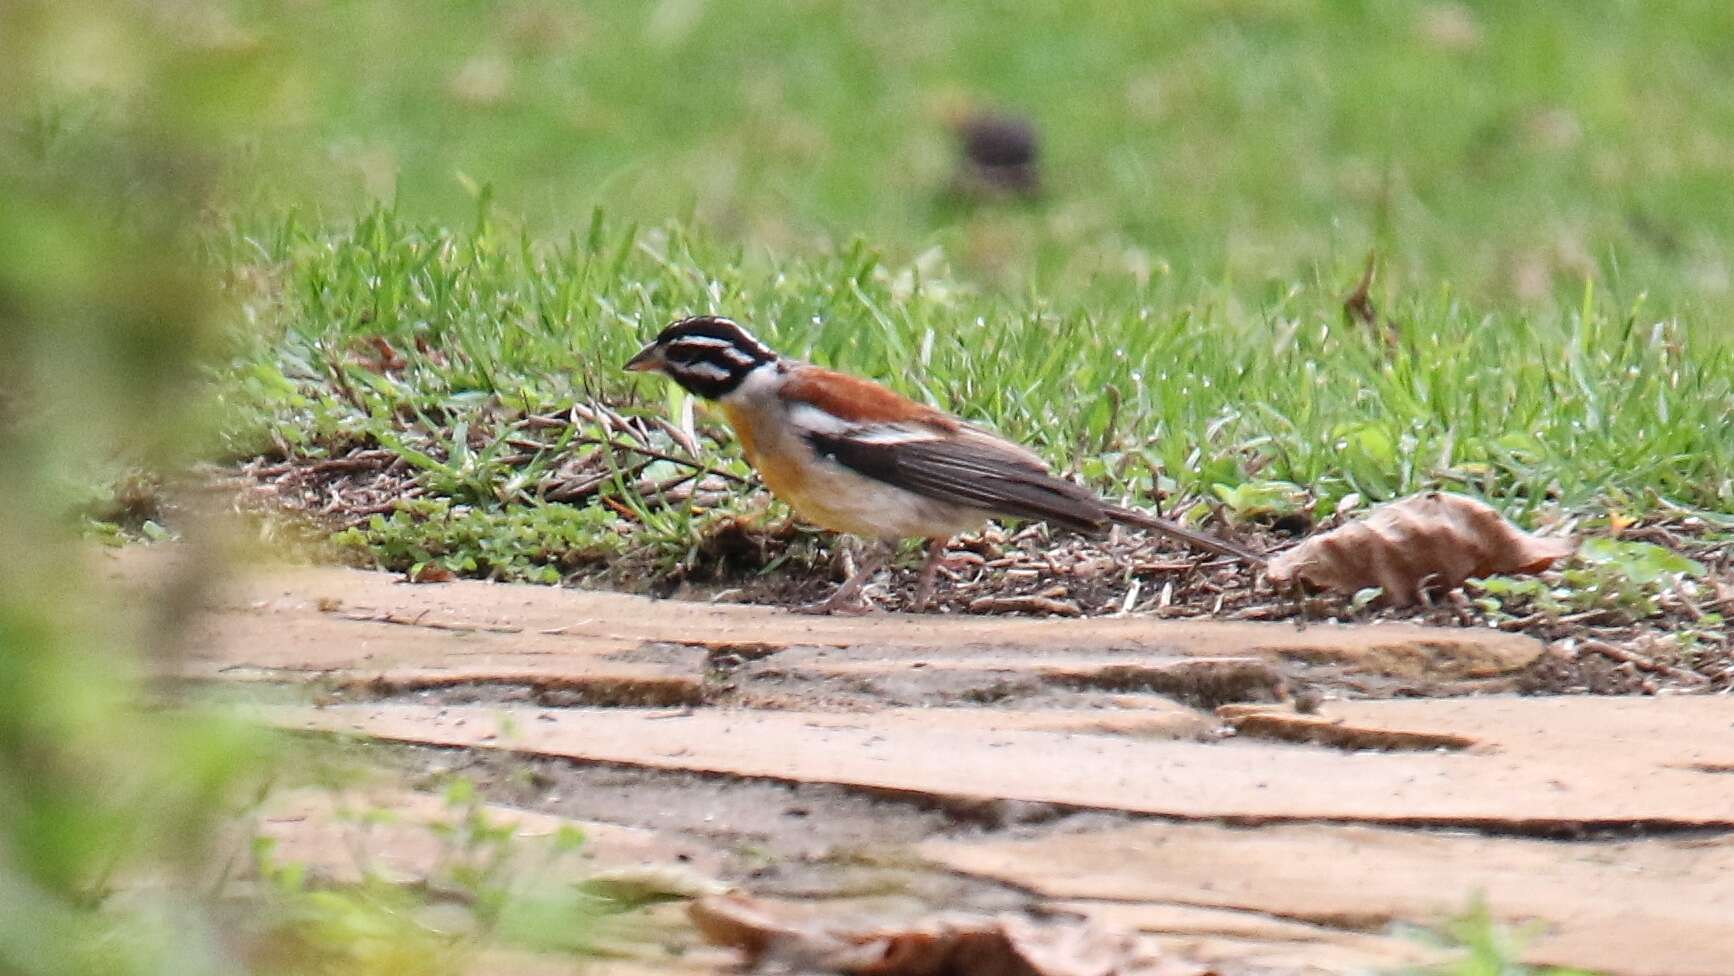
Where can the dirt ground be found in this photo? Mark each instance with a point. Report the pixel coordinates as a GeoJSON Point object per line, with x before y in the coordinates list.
{"type": "Point", "coordinates": [1033, 571]}
{"type": "Point", "coordinates": [1252, 797]}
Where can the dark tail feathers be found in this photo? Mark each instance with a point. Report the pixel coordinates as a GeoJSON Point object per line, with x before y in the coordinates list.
{"type": "Point", "coordinates": [1180, 533]}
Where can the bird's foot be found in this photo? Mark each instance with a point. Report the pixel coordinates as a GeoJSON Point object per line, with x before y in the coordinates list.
{"type": "Point", "coordinates": [937, 559]}
{"type": "Point", "coordinates": [850, 598]}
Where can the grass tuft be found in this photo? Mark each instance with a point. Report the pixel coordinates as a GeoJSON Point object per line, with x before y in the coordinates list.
{"type": "Point", "coordinates": [436, 345]}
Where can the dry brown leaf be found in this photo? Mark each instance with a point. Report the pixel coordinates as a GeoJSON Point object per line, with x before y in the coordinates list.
{"type": "Point", "coordinates": [794, 937]}
{"type": "Point", "coordinates": [430, 573]}
{"type": "Point", "coordinates": [380, 356]}
{"type": "Point", "coordinates": [761, 929]}
{"type": "Point", "coordinates": [1427, 542]}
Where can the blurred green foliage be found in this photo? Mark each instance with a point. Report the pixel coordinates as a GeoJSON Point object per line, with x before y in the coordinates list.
{"type": "Point", "coordinates": [1510, 147]}
{"type": "Point", "coordinates": [506, 883]}
{"type": "Point", "coordinates": [1480, 945]}
{"type": "Point", "coordinates": [106, 320]}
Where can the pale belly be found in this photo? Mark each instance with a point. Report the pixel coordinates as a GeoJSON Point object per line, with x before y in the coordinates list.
{"type": "Point", "coordinates": [835, 497]}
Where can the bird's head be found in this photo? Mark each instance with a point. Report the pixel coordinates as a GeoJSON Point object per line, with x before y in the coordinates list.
{"type": "Point", "coordinates": [707, 355]}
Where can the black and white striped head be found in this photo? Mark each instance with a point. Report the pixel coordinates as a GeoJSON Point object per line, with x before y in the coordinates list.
{"type": "Point", "coordinates": [709, 356]}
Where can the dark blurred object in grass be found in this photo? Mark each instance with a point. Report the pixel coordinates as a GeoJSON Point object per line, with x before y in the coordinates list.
{"type": "Point", "coordinates": [998, 155]}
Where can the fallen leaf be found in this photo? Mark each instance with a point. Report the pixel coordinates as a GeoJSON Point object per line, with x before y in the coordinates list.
{"type": "Point", "coordinates": [1427, 542]}
{"type": "Point", "coordinates": [755, 927]}
{"type": "Point", "coordinates": [384, 359]}
{"type": "Point", "coordinates": [430, 573]}
{"type": "Point", "coordinates": [796, 938]}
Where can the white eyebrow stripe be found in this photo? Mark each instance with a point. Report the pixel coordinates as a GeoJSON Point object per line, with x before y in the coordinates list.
{"type": "Point", "coordinates": [751, 341]}
{"type": "Point", "coordinates": [737, 357]}
{"type": "Point", "coordinates": [709, 370]}
{"type": "Point", "coordinates": [703, 342]}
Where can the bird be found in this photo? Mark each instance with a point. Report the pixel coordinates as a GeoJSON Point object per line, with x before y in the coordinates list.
{"type": "Point", "coordinates": [998, 153]}
{"type": "Point", "coordinates": [854, 457]}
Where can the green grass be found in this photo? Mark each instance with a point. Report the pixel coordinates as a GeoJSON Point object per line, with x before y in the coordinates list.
{"type": "Point", "coordinates": [1510, 147]}
{"type": "Point", "coordinates": [1542, 183]}
{"type": "Point", "coordinates": [1146, 392]}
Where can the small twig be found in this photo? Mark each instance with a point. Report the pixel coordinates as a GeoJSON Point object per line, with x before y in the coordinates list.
{"type": "Point", "coordinates": [619, 508]}
{"type": "Point", "coordinates": [1025, 604]}
{"type": "Point", "coordinates": [417, 621]}
{"type": "Point", "coordinates": [1636, 660]}
{"type": "Point", "coordinates": [618, 445]}
{"type": "Point", "coordinates": [634, 430]}
{"type": "Point", "coordinates": [1358, 306]}
{"type": "Point", "coordinates": [1265, 611]}
{"type": "Point", "coordinates": [360, 515]}
{"type": "Point", "coordinates": [359, 461]}
{"type": "Point", "coordinates": [564, 629]}
{"type": "Point", "coordinates": [341, 378]}
{"type": "Point", "coordinates": [1182, 566]}
{"type": "Point", "coordinates": [1592, 618]}
{"type": "Point", "coordinates": [648, 492]}
{"type": "Point", "coordinates": [651, 452]}
{"type": "Point", "coordinates": [1655, 534]}
{"type": "Point", "coordinates": [568, 492]}
{"type": "Point", "coordinates": [676, 435]}
{"type": "Point", "coordinates": [1522, 623]}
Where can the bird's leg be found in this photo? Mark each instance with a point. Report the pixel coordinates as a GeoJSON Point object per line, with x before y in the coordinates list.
{"type": "Point", "coordinates": [847, 597]}
{"type": "Point", "coordinates": [929, 568]}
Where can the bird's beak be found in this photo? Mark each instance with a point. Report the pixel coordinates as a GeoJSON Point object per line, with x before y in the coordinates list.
{"type": "Point", "coordinates": [649, 358]}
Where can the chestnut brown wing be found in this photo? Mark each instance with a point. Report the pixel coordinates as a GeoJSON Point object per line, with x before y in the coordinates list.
{"type": "Point", "coordinates": [853, 400]}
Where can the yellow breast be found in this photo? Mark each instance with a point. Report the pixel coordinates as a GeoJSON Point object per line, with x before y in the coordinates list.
{"type": "Point", "coordinates": [781, 470]}
{"type": "Point", "coordinates": [830, 495]}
